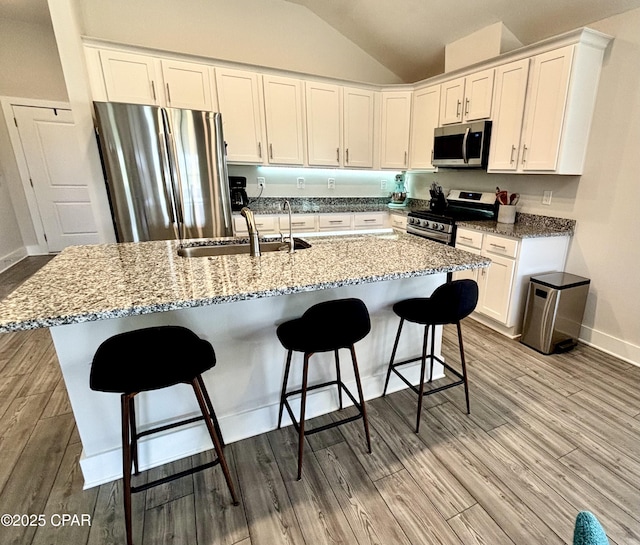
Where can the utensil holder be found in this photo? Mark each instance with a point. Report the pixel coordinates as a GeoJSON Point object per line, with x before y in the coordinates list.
{"type": "Point", "coordinates": [507, 213]}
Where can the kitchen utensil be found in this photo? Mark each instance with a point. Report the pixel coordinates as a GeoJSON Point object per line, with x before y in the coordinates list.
{"type": "Point", "coordinates": [503, 197]}
{"type": "Point", "coordinates": [514, 198]}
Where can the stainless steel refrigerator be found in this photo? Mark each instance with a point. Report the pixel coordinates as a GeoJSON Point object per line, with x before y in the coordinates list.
{"type": "Point", "coordinates": [166, 172]}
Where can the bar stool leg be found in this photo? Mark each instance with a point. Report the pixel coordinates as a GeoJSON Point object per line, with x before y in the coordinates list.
{"type": "Point", "coordinates": [214, 437]}
{"type": "Point", "coordinates": [422, 372]}
{"type": "Point", "coordinates": [464, 368]}
{"type": "Point", "coordinates": [356, 372]}
{"type": "Point", "coordinates": [284, 387]}
{"type": "Point", "coordinates": [303, 404]}
{"type": "Point", "coordinates": [212, 412]}
{"type": "Point", "coordinates": [339, 379]}
{"type": "Point", "coordinates": [134, 434]}
{"type": "Point", "coordinates": [433, 349]}
{"type": "Point", "coordinates": [126, 465]}
{"type": "Point", "coordinates": [393, 357]}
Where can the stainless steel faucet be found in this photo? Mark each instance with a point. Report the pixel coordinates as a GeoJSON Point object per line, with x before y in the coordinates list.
{"type": "Point", "coordinates": [292, 244]}
{"type": "Point", "coordinates": [254, 237]}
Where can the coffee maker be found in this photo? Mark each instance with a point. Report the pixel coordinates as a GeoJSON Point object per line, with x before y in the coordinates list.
{"type": "Point", "coordinates": [239, 198]}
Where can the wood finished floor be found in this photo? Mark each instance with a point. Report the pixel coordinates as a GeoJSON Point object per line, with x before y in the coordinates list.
{"type": "Point", "coordinates": [548, 436]}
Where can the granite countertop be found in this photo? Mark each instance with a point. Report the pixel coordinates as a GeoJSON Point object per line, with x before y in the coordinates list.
{"type": "Point", "coordinates": [97, 282]}
{"type": "Point", "coordinates": [526, 226]}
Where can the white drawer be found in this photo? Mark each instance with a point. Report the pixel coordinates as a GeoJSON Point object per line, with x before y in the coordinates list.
{"type": "Point", "coordinates": [469, 237]}
{"type": "Point", "coordinates": [507, 247]}
{"type": "Point", "coordinates": [334, 221]}
{"type": "Point", "coordinates": [368, 220]}
{"type": "Point", "coordinates": [264, 224]}
{"type": "Point", "coordinates": [299, 222]}
{"type": "Point", "coordinates": [399, 221]}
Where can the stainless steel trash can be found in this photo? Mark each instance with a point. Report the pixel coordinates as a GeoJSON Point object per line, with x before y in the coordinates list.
{"type": "Point", "coordinates": [555, 307]}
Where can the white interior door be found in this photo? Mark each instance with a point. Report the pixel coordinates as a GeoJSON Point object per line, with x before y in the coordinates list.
{"type": "Point", "coordinates": [51, 149]}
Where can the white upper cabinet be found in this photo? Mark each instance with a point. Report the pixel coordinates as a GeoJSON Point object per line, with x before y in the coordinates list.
{"type": "Point", "coordinates": [545, 109]}
{"type": "Point", "coordinates": [324, 124]}
{"type": "Point", "coordinates": [424, 119]}
{"type": "Point", "coordinates": [359, 108]}
{"type": "Point", "coordinates": [467, 99]}
{"type": "Point", "coordinates": [239, 104]}
{"type": "Point", "coordinates": [508, 112]}
{"type": "Point", "coordinates": [551, 136]}
{"type": "Point", "coordinates": [283, 116]}
{"type": "Point", "coordinates": [131, 78]}
{"type": "Point", "coordinates": [396, 122]}
{"type": "Point", "coordinates": [187, 85]}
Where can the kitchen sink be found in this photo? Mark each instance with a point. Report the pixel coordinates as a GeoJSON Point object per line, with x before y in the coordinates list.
{"type": "Point", "coordinates": [234, 249]}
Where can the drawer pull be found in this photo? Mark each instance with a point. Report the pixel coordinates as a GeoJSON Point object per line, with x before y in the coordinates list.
{"type": "Point", "coordinates": [465, 238]}
{"type": "Point", "coordinates": [298, 223]}
{"type": "Point", "coordinates": [498, 246]}
{"type": "Point", "coordinates": [336, 221]}
{"type": "Point", "coordinates": [369, 220]}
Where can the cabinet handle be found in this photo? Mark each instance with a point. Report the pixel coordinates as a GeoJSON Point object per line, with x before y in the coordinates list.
{"type": "Point", "coordinates": [524, 153]}
{"type": "Point", "coordinates": [297, 223]}
{"type": "Point", "coordinates": [338, 155]}
{"type": "Point", "coordinates": [346, 156]}
{"type": "Point", "coordinates": [270, 151]}
{"type": "Point", "coordinates": [336, 221]}
{"type": "Point", "coordinates": [369, 220]}
{"type": "Point", "coordinates": [458, 109]}
{"type": "Point", "coordinates": [465, 238]}
{"type": "Point", "coordinates": [498, 246]}
{"type": "Point", "coordinates": [168, 94]}
{"type": "Point", "coordinates": [513, 148]}
{"type": "Point", "coordinates": [405, 159]}
{"type": "Point", "coordinates": [466, 107]}
{"type": "Point", "coordinates": [260, 150]}
{"type": "Point", "coordinates": [153, 90]}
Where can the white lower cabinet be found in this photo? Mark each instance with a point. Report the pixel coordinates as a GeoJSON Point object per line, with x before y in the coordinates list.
{"type": "Point", "coordinates": [299, 223]}
{"type": "Point", "coordinates": [503, 286]}
{"type": "Point", "coordinates": [266, 225]}
{"type": "Point", "coordinates": [398, 222]}
{"type": "Point", "coordinates": [335, 222]}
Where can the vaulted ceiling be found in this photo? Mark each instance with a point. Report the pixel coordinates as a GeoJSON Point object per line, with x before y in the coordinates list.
{"type": "Point", "coordinates": [408, 36]}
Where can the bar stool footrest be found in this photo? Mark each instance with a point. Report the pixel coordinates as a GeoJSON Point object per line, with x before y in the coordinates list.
{"type": "Point", "coordinates": [178, 475]}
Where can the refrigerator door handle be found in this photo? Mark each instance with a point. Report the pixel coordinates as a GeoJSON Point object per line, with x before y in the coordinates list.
{"type": "Point", "coordinates": [174, 175]}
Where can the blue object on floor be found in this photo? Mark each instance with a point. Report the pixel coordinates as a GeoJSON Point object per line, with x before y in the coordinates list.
{"type": "Point", "coordinates": [588, 531]}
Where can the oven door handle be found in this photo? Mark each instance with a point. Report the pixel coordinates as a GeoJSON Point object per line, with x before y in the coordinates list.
{"type": "Point", "coordinates": [464, 145]}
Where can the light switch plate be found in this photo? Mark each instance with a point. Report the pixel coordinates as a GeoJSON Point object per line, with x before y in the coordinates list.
{"type": "Point", "coordinates": [300, 183]}
{"type": "Point", "coordinates": [331, 183]}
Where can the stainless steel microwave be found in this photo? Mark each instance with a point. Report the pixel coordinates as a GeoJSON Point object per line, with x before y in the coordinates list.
{"type": "Point", "coordinates": [462, 146]}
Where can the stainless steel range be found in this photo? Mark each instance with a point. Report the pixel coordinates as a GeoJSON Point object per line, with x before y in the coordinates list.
{"type": "Point", "coordinates": [439, 221]}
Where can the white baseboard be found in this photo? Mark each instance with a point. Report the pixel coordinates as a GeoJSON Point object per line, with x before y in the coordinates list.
{"type": "Point", "coordinates": [609, 344]}
{"type": "Point", "coordinates": [165, 447]}
{"type": "Point", "coordinates": [9, 260]}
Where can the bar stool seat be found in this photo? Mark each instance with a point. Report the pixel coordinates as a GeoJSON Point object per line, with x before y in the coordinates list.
{"type": "Point", "coordinates": [324, 327]}
{"type": "Point", "coordinates": [449, 304]}
{"type": "Point", "coordinates": [151, 359]}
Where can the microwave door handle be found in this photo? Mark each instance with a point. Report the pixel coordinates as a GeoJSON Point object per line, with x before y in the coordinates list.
{"type": "Point", "coordinates": [464, 145]}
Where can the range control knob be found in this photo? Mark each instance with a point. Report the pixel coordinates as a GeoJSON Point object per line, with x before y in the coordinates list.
{"type": "Point", "coordinates": [424, 223]}
{"type": "Point", "coordinates": [441, 227]}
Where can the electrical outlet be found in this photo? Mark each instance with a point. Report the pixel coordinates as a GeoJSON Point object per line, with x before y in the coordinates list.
{"type": "Point", "coordinates": [261, 181]}
{"type": "Point", "coordinates": [546, 197]}
{"type": "Point", "coordinates": [300, 183]}
{"type": "Point", "coordinates": [331, 183]}
{"type": "Point", "coordinates": [383, 184]}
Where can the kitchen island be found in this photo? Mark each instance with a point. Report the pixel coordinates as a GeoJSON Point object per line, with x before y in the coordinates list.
{"type": "Point", "coordinates": [89, 293]}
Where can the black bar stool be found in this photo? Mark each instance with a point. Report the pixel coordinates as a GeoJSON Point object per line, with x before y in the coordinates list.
{"type": "Point", "coordinates": [448, 304]}
{"type": "Point", "coordinates": [151, 359]}
{"type": "Point", "coordinates": [324, 327]}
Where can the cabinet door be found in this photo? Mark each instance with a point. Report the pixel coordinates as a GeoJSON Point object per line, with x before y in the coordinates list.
{"type": "Point", "coordinates": [508, 111]}
{"type": "Point", "coordinates": [478, 92]}
{"type": "Point", "coordinates": [396, 122]}
{"type": "Point", "coordinates": [358, 106]}
{"type": "Point", "coordinates": [545, 109]}
{"type": "Point", "coordinates": [131, 78]}
{"type": "Point", "coordinates": [424, 119]}
{"type": "Point", "coordinates": [451, 101]}
{"type": "Point", "coordinates": [495, 283]}
{"type": "Point", "coordinates": [283, 113]}
{"type": "Point", "coordinates": [470, 274]}
{"type": "Point", "coordinates": [187, 85]}
{"type": "Point", "coordinates": [238, 99]}
{"type": "Point", "coordinates": [324, 124]}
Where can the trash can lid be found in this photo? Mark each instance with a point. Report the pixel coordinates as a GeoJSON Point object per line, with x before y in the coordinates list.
{"type": "Point", "coordinates": [560, 280]}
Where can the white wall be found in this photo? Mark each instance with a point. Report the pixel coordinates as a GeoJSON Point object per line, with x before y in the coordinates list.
{"type": "Point", "coordinates": [271, 33]}
{"type": "Point", "coordinates": [30, 68]}
{"type": "Point", "coordinates": [605, 200]}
